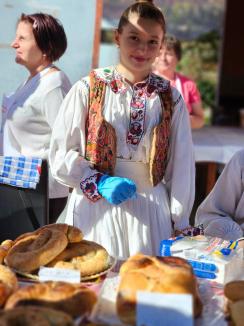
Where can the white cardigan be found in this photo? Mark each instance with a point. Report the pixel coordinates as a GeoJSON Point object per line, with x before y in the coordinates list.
{"type": "Point", "coordinates": [28, 116]}
{"type": "Point", "coordinates": [222, 212]}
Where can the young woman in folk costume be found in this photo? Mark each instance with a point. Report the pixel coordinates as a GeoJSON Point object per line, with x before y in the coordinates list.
{"type": "Point", "coordinates": [122, 140]}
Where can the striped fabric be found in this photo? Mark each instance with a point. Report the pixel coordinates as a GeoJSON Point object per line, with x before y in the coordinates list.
{"type": "Point", "coordinates": [20, 171]}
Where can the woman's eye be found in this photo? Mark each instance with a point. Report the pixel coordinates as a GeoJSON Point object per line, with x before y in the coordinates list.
{"type": "Point", "coordinates": [153, 42]}
{"type": "Point", "coordinates": [134, 38]}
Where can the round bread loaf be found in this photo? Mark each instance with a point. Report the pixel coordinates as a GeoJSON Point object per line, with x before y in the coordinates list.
{"type": "Point", "coordinates": [4, 248]}
{"type": "Point", "coordinates": [86, 256]}
{"type": "Point", "coordinates": [154, 274]}
{"type": "Point", "coordinates": [237, 312]}
{"type": "Point", "coordinates": [38, 316]}
{"type": "Point", "coordinates": [35, 250]}
{"type": "Point", "coordinates": [8, 283]}
{"type": "Point", "coordinates": [73, 233]}
{"type": "Point", "coordinates": [73, 299]}
{"type": "Point", "coordinates": [3, 254]}
{"type": "Point", "coordinates": [7, 244]}
{"type": "Point", "coordinates": [234, 291]}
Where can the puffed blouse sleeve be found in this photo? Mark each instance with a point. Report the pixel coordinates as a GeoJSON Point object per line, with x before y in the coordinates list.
{"type": "Point", "coordinates": [180, 171]}
{"type": "Point", "coordinates": [224, 205]}
{"type": "Point", "coordinates": [67, 149]}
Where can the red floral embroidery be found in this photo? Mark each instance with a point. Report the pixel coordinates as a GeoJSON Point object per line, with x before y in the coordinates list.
{"type": "Point", "coordinates": [160, 141]}
{"type": "Point", "coordinates": [101, 136]}
{"type": "Point", "coordinates": [89, 187]}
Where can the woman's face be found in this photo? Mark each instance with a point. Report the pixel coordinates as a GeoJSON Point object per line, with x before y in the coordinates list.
{"type": "Point", "coordinates": [139, 42]}
{"type": "Point", "coordinates": [167, 60]}
{"type": "Point", "coordinates": [27, 52]}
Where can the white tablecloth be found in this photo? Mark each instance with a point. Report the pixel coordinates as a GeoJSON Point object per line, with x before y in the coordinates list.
{"type": "Point", "coordinates": [217, 144]}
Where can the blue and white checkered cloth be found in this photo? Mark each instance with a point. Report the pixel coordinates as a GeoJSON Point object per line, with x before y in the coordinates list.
{"type": "Point", "coordinates": [20, 171]}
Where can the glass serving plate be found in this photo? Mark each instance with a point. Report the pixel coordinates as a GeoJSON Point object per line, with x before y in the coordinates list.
{"type": "Point", "coordinates": [88, 278]}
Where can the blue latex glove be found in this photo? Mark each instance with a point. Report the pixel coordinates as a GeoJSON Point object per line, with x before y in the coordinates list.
{"type": "Point", "coordinates": [116, 189]}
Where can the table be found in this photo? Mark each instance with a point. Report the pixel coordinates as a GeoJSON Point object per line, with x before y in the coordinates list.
{"type": "Point", "coordinates": [216, 144]}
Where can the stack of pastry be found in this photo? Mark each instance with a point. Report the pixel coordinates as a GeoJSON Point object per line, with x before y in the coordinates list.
{"type": "Point", "coordinates": [31, 315]}
{"type": "Point", "coordinates": [49, 303]}
{"type": "Point", "coordinates": [56, 245]}
{"type": "Point", "coordinates": [8, 283]}
{"type": "Point", "coordinates": [4, 248]}
{"type": "Point", "coordinates": [73, 299]}
{"type": "Point", "coordinates": [154, 274]}
{"type": "Point", "coordinates": [234, 294]}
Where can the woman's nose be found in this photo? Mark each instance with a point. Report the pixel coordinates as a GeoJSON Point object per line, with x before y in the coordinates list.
{"type": "Point", "coordinates": [142, 46]}
{"type": "Point", "coordinates": [163, 55]}
{"type": "Point", "coordinates": [14, 44]}
{"type": "Point", "coordinates": [164, 58]}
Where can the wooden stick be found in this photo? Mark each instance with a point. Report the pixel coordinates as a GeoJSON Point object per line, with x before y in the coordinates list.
{"type": "Point", "coordinates": [97, 34]}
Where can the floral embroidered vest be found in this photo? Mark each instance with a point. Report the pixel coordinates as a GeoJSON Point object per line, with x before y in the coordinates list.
{"type": "Point", "coordinates": [101, 136]}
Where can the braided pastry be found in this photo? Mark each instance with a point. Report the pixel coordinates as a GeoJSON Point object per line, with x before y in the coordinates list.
{"type": "Point", "coordinates": [154, 274]}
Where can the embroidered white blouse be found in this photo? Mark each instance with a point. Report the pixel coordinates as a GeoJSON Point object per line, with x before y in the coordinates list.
{"type": "Point", "coordinates": [222, 212]}
{"type": "Point", "coordinates": [28, 116]}
{"type": "Point", "coordinates": [137, 224]}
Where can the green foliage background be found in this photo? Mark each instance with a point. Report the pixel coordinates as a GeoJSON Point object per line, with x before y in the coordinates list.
{"type": "Point", "coordinates": [199, 26]}
{"type": "Point", "coordinates": [200, 62]}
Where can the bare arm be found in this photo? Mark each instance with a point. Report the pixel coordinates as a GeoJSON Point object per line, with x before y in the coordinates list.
{"type": "Point", "coordinates": [197, 116]}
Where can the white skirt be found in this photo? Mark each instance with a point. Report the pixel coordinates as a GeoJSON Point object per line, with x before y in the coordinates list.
{"type": "Point", "coordinates": [137, 225]}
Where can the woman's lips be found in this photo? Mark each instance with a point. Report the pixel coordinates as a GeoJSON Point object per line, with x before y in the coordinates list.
{"type": "Point", "coordinates": [139, 59]}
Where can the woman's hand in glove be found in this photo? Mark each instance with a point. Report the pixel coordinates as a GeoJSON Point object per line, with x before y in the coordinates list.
{"type": "Point", "coordinates": [116, 189]}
